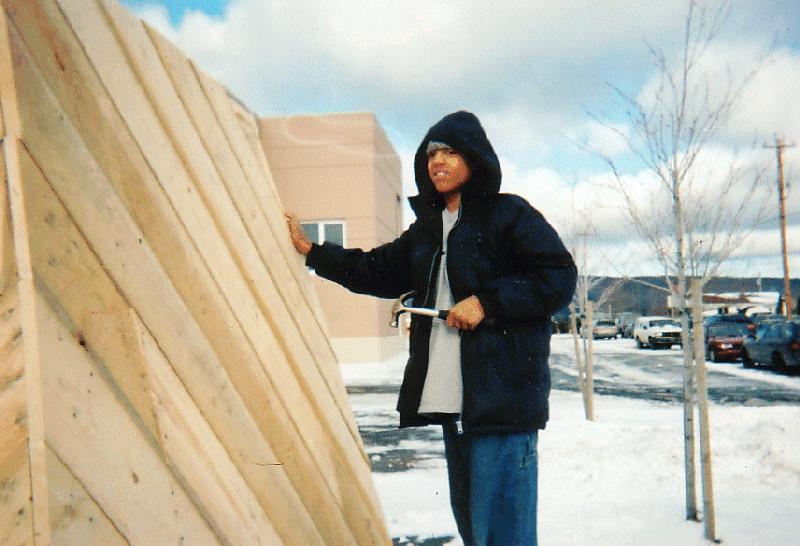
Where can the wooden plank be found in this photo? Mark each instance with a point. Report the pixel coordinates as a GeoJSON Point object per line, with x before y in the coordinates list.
{"type": "Point", "coordinates": [84, 270]}
{"type": "Point", "coordinates": [329, 446]}
{"type": "Point", "coordinates": [16, 525]}
{"type": "Point", "coordinates": [289, 312]}
{"type": "Point", "coordinates": [269, 237]}
{"type": "Point", "coordinates": [194, 451]}
{"type": "Point", "coordinates": [100, 212]}
{"type": "Point", "coordinates": [263, 187]}
{"type": "Point", "coordinates": [13, 405]}
{"type": "Point", "coordinates": [216, 196]}
{"type": "Point", "coordinates": [314, 332]}
{"type": "Point", "coordinates": [312, 321]}
{"type": "Point", "coordinates": [135, 106]}
{"type": "Point", "coordinates": [113, 236]}
{"type": "Point", "coordinates": [76, 517]}
{"type": "Point", "coordinates": [13, 397]}
{"type": "Point", "coordinates": [331, 371]}
{"type": "Point", "coordinates": [36, 459]}
{"type": "Point", "coordinates": [249, 128]}
{"type": "Point", "coordinates": [248, 125]}
{"type": "Point", "coordinates": [272, 306]}
{"type": "Point", "coordinates": [97, 314]}
{"type": "Point", "coordinates": [34, 397]}
{"type": "Point", "coordinates": [8, 263]}
{"type": "Point", "coordinates": [261, 183]}
{"type": "Point", "coordinates": [11, 364]}
{"type": "Point", "coordinates": [86, 426]}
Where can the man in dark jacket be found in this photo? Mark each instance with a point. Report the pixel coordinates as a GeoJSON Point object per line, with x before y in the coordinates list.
{"type": "Point", "coordinates": [501, 270]}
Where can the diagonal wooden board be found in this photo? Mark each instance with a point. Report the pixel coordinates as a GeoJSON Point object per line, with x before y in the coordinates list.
{"type": "Point", "coordinates": [16, 523]}
{"type": "Point", "coordinates": [223, 364]}
{"type": "Point", "coordinates": [124, 251]}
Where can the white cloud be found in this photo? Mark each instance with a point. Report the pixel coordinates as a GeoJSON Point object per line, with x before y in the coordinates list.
{"type": "Point", "coordinates": [528, 69]}
{"type": "Point", "coordinates": [608, 140]}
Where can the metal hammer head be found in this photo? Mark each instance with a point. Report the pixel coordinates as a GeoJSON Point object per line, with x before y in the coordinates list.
{"type": "Point", "coordinates": [399, 307]}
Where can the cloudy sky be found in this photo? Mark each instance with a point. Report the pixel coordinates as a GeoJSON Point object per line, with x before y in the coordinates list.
{"type": "Point", "coordinates": [539, 74]}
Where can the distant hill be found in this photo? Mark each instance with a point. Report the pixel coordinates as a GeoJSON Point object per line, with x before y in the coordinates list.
{"type": "Point", "coordinates": [635, 297]}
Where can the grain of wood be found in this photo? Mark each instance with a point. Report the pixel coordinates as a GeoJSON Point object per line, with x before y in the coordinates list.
{"type": "Point", "coordinates": [133, 95]}
{"type": "Point", "coordinates": [261, 183]}
{"type": "Point", "coordinates": [118, 202]}
{"type": "Point", "coordinates": [13, 408]}
{"type": "Point", "coordinates": [16, 523]}
{"type": "Point", "coordinates": [8, 274]}
{"type": "Point", "coordinates": [92, 433]}
{"type": "Point", "coordinates": [216, 196]}
{"type": "Point", "coordinates": [97, 315]}
{"type": "Point", "coordinates": [16, 526]}
{"type": "Point", "coordinates": [153, 139]}
{"type": "Point", "coordinates": [125, 252]}
{"type": "Point", "coordinates": [75, 516]}
{"type": "Point", "coordinates": [293, 305]}
{"type": "Point", "coordinates": [12, 128]}
{"type": "Point", "coordinates": [221, 104]}
{"type": "Point", "coordinates": [83, 269]}
{"type": "Point", "coordinates": [194, 451]}
{"type": "Point", "coordinates": [249, 126]}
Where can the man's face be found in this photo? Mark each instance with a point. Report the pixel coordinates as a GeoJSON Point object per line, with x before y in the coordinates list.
{"type": "Point", "coordinates": [448, 170]}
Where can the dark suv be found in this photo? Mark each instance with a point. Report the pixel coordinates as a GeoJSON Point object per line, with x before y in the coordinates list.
{"type": "Point", "coordinates": [777, 342]}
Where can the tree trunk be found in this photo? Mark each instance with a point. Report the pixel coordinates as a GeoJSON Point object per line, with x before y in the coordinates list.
{"type": "Point", "coordinates": [578, 355]}
{"type": "Point", "coordinates": [686, 345]}
{"type": "Point", "coordinates": [709, 518]}
{"type": "Point", "coordinates": [588, 384]}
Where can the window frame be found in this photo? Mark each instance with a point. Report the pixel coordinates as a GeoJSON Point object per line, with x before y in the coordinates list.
{"type": "Point", "coordinates": [321, 229]}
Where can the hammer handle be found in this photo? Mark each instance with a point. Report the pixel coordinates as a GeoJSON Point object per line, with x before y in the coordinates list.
{"type": "Point", "coordinates": [442, 314]}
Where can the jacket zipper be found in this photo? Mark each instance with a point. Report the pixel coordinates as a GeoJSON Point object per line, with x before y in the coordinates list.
{"type": "Point", "coordinates": [436, 256]}
{"type": "Point", "coordinates": [430, 276]}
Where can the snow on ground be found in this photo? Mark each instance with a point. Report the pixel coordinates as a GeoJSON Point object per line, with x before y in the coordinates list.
{"type": "Point", "coordinates": [605, 350]}
{"type": "Point", "coordinates": [617, 480]}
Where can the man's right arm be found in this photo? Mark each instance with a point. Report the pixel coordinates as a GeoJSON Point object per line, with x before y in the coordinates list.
{"type": "Point", "coordinates": [382, 271]}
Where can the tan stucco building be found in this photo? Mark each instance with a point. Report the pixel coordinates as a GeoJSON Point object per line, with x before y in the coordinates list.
{"type": "Point", "coordinates": [340, 174]}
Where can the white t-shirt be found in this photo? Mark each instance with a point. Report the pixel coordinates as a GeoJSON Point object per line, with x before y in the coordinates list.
{"type": "Point", "coordinates": [443, 391]}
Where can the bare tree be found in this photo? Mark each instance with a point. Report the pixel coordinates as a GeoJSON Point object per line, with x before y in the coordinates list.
{"type": "Point", "coordinates": [695, 216]}
{"type": "Point", "coordinates": [578, 235]}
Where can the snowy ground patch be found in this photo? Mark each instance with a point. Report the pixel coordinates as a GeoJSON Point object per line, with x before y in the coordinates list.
{"type": "Point", "coordinates": [616, 481]}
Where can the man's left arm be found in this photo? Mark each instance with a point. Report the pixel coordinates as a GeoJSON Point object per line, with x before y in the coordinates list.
{"type": "Point", "coordinates": [545, 276]}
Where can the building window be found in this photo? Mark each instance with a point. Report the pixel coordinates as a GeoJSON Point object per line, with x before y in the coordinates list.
{"type": "Point", "coordinates": [319, 232]}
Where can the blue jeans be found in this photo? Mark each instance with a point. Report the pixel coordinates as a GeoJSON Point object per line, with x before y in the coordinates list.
{"type": "Point", "coordinates": [492, 486]}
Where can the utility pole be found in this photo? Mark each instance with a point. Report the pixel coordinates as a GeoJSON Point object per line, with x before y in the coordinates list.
{"type": "Point", "coordinates": [787, 290]}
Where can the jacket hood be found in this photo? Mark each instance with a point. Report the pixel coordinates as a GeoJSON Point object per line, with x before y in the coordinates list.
{"type": "Point", "coordinates": [464, 133]}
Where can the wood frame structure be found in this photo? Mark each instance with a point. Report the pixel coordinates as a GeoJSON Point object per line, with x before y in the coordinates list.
{"type": "Point", "coordinates": [165, 375]}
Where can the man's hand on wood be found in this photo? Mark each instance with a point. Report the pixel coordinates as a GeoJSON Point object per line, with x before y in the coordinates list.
{"type": "Point", "coordinates": [300, 241]}
{"type": "Point", "coordinates": [466, 314]}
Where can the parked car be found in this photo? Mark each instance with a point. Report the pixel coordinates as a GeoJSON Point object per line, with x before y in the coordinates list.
{"type": "Point", "coordinates": [604, 329]}
{"type": "Point", "coordinates": [656, 332]}
{"type": "Point", "coordinates": [760, 318]}
{"type": "Point", "coordinates": [776, 343]}
{"type": "Point", "coordinates": [725, 339]}
{"type": "Point", "coordinates": [720, 317]}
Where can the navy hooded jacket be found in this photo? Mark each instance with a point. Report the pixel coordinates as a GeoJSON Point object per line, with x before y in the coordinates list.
{"type": "Point", "coordinates": [501, 250]}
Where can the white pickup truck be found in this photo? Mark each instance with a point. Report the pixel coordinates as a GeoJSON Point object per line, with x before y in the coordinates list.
{"type": "Point", "coordinates": [656, 332]}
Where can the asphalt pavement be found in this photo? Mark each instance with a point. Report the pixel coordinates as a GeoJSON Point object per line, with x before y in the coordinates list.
{"type": "Point", "coordinates": [622, 370]}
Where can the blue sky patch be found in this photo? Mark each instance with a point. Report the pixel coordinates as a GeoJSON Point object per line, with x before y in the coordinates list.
{"type": "Point", "coordinates": [178, 8]}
